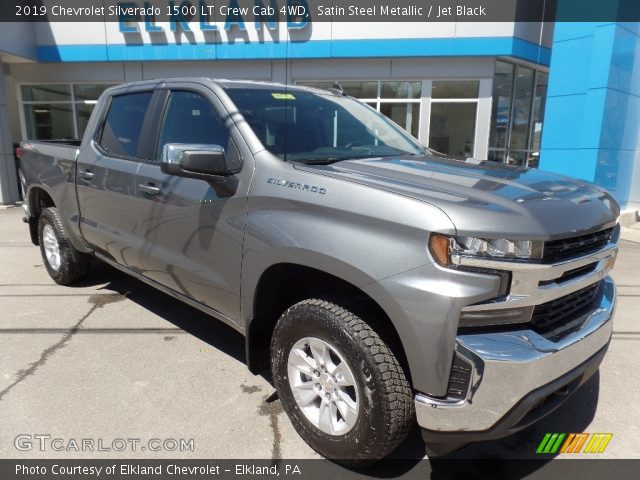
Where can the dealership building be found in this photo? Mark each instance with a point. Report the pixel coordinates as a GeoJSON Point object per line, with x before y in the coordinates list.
{"type": "Point", "coordinates": [561, 96]}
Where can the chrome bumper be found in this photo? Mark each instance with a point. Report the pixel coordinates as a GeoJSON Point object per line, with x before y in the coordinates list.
{"type": "Point", "coordinates": [508, 366]}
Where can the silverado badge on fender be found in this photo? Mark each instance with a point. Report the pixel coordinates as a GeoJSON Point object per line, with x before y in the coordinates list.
{"type": "Point", "coordinates": [296, 185]}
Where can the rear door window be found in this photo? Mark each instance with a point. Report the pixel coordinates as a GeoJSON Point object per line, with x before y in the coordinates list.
{"type": "Point", "coordinates": [123, 125]}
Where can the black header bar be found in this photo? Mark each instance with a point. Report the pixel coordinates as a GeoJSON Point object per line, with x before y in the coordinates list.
{"type": "Point", "coordinates": [303, 12]}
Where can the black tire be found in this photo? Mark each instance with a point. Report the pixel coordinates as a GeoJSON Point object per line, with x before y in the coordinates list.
{"type": "Point", "coordinates": [386, 409]}
{"type": "Point", "coordinates": [73, 264]}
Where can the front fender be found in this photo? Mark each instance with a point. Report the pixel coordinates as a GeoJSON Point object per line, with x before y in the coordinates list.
{"type": "Point", "coordinates": [356, 244]}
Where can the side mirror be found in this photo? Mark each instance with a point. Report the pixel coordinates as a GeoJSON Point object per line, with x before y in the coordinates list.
{"type": "Point", "coordinates": [195, 161]}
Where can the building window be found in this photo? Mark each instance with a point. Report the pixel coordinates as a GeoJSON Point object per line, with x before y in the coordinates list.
{"type": "Point", "coordinates": [451, 109]}
{"type": "Point", "coordinates": [452, 126]}
{"type": "Point", "coordinates": [537, 116]}
{"type": "Point", "coordinates": [519, 95]}
{"type": "Point", "coordinates": [397, 100]}
{"type": "Point", "coordinates": [58, 111]}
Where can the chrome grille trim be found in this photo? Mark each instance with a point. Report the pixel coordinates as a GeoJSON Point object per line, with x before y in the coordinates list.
{"type": "Point", "coordinates": [533, 283]}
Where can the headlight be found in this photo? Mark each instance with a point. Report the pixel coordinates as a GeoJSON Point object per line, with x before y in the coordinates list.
{"type": "Point", "coordinates": [443, 246]}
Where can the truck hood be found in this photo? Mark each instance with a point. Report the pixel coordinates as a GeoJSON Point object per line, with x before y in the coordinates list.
{"type": "Point", "coordinates": [487, 198]}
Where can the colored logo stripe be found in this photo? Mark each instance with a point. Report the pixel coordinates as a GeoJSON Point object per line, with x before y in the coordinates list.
{"type": "Point", "coordinates": [598, 442]}
{"type": "Point", "coordinates": [550, 443]}
{"type": "Point", "coordinates": [574, 442]}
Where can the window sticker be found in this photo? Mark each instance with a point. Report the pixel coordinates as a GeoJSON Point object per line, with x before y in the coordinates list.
{"type": "Point", "coordinates": [283, 96]}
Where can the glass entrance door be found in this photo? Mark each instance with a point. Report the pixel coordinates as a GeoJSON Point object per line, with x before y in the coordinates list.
{"type": "Point", "coordinates": [519, 95]}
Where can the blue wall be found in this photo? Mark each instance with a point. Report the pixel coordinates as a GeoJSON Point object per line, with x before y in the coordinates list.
{"type": "Point", "coordinates": [405, 47]}
{"type": "Point", "coordinates": [592, 118]}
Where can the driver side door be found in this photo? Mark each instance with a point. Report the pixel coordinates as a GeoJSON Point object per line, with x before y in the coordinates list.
{"type": "Point", "coordinates": [192, 228]}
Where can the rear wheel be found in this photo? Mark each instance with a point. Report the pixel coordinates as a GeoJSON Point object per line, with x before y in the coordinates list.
{"type": "Point", "coordinates": [64, 264]}
{"type": "Point", "coordinates": [339, 383]}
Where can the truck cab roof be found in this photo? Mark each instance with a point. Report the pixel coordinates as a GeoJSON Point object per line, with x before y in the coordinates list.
{"type": "Point", "coordinates": [220, 82]}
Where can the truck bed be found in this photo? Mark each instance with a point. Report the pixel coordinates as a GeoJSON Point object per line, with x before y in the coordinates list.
{"type": "Point", "coordinates": [64, 149]}
{"type": "Point", "coordinates": [48, 170]}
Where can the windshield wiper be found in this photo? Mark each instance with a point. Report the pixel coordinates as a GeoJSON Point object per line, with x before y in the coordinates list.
{"type": "Point", "coordinates": [323, 161]}
{"type": "Point", "coordinates": [330, 160]}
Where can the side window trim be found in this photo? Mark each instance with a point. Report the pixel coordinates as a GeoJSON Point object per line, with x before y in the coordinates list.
{"type": "Point", "coordinates": [152, 125]}
{"type": "Point", "coordinates": [158, 130]}
{"type": "Point", "coordinates": [97, 136]}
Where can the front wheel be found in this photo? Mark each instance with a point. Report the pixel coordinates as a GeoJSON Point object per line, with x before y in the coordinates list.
{"type": "Point", "coordinates": [341, 386]}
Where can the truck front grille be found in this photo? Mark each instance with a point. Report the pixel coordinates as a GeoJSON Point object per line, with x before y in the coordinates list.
{"type": "Point", "coordinates": [552, 320]}
{"type": "Point", "coordinates": [559, 315]}
{"type": "Point", "coordinates": [565, 249]}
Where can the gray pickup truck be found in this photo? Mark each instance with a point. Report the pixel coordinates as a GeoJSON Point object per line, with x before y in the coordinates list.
{"type": "Point", "coordinates": [380, 283]}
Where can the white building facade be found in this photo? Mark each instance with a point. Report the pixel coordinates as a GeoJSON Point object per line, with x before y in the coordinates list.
{"type": "Point", "coordinates": [463, 88]}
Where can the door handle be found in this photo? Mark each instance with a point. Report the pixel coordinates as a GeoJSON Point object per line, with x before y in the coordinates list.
{"type": "Point", "coordinates": [85, 174]}
{"type": "Point", "coordinates": [149, 189]}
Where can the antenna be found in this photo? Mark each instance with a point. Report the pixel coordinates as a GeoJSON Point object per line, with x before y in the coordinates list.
{"type": "Point", "coordinates": [338, 88]}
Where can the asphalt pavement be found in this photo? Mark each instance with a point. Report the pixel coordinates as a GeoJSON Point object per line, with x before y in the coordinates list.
{"type": "Point", "coordinates": [88, 368]}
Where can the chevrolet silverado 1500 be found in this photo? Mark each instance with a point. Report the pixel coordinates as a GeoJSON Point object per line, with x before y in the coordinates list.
{"type": "Point", "coordinates": [381, 284]}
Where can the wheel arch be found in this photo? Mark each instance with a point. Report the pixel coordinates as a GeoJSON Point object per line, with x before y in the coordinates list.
{"type": "Point", "coordinates": [284, 284]}
{"type": "Point", "coordinates": [38, 198]}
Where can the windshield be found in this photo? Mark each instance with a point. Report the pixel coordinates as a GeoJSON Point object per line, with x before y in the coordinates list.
{"type": "Point", "coordinates": [309, 127]}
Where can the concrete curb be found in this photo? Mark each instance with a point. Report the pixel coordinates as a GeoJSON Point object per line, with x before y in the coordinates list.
{"type": "Point", "coordinates": [629, 218]}
{"type": "Point", "coordinates": [11, 205]}
{"type": "Point", "coordinates": [630, 234]}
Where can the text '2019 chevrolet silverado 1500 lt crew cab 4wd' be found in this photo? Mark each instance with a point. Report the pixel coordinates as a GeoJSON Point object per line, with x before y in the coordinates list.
{"type": "Point", "coordinates": [382, 284]}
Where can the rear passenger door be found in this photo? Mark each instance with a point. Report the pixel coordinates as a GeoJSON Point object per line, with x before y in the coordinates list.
{"type": "Point", "coordinates": [192, 229]}
{"type": "Point", "coordinates": [106, 178]}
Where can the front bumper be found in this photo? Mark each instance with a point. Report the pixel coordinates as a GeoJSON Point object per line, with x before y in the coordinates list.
{"type": "Point", "coordinates": [517, 377]}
